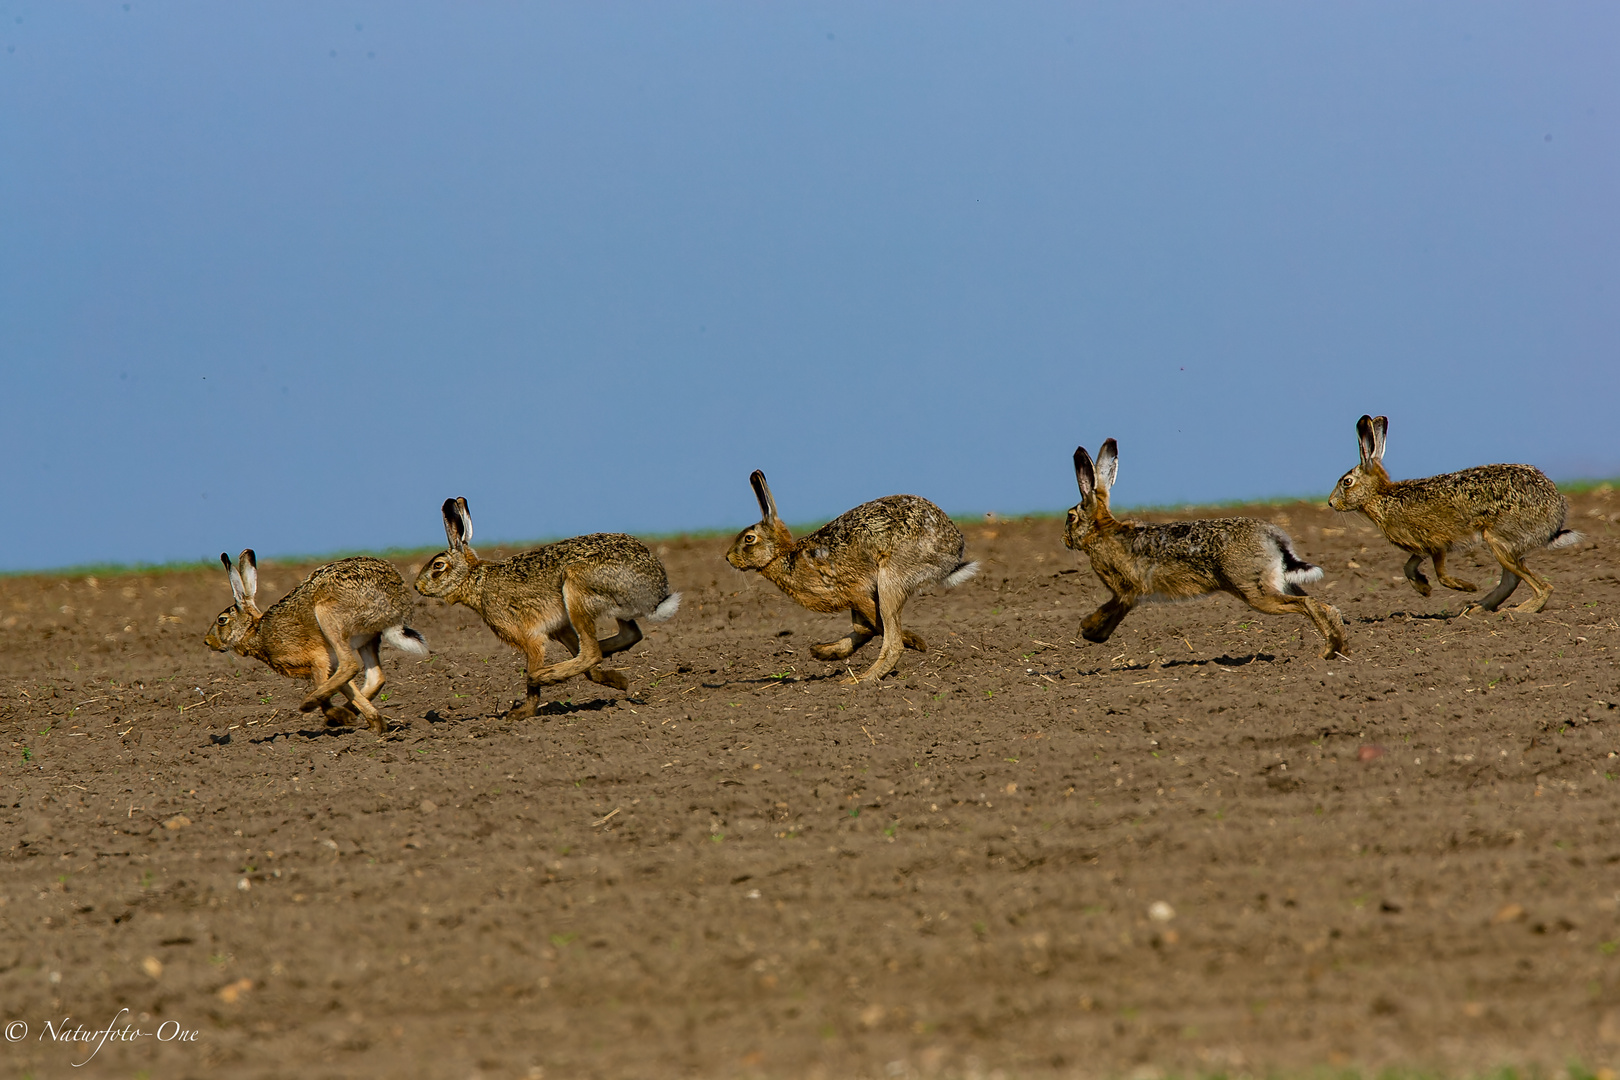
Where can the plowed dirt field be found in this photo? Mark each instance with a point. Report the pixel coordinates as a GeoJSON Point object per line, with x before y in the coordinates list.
{"type": "Point", "coordinates": [1198, 848]}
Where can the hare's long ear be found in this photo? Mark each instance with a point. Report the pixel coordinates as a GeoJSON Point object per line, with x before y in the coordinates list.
{"type": "Point", "coordinates": [1084, 474]}
{"type": "Point", "coordinates": [236, 579]}
{"type": "Point", "coordinates": [1368, 440]}
{"type": "Point", "coordinates": [457, 523]}
{"type": "Point", "coordinates": [465, 516]}
{"type": "Point", "coordinates": [1107, 465]}
{"type": "Point", "coordinates": [247, 566]}
{"type": "Point", "coordinates": [762, 492]}
{"type": "Point", "coordinates": [1380, 428]}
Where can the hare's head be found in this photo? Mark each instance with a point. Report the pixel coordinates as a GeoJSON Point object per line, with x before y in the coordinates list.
{"type": "Point", "coordinates": [1094, 481]}
{"type": "Point", "coordinates": [236, 622]}
{"type": "Point", "coordinates": [1356, 487]}
{"type": "Point", "coordinates": [760, 544]}
{"type": "Point", "coordinates": [447, 571]}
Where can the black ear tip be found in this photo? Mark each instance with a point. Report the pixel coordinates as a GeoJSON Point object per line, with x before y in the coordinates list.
{"type": "Point", "coordinates": [1080, 456]}
{"type": "Point", "coordinates": [226, 559]}
{"type": "Point", "coordinates": [461, 502]}
{"type": "Point", "coordinates": [756, 477]}
{"type": "Point", "coordinates": [1111, 446]}
{"type": "Point", "coordinates": [449, 507]}
{"type": "Point", "coordinates": [252, 559]}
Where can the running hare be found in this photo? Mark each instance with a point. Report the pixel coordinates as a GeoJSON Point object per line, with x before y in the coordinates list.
{"type": "Point", "coordinates": [557, 591]}
{"type": "Point", "coordinates": [326, 630]}
{"type": "Point", "coordinates": [1252, 560]}
{"type": "Point", "coordinates": [870, 560]}
{"type": "Point", "coordinates": [1514, 509]}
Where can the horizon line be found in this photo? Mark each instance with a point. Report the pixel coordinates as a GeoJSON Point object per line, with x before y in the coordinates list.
{"type": "Point", "coordinates": [116, 569]}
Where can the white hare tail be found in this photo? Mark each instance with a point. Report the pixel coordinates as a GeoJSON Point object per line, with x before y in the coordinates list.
{"type": "Point", "coordinates": [961, 574]}
{"type": "Point", "coordinates": [1565, 538]}
{"type": "Point", "coordinates": [406, 640]}
{"type": "Point", "coordinates": [667, 609]}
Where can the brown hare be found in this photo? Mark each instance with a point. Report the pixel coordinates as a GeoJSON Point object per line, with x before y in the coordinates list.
{"type": "Point", "coordinates": [557, 592]}
{"type": "Point", "coordinates": [1512, 509]}
{"type": "Point", "coordinates": [1252, 560]}
{"type": "Point", "coordinates": [326, 630]}
{"type": "Point", "coordinates": [869, 561]}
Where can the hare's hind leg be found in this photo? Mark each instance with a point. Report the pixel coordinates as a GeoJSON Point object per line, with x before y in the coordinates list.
{"type": "Point", "coordinates": [1503, 590]}
{"type": "Point", "coordinates": [336, 715]}
{"type": "Point", "coordinates": [891, 596]}
{"type": "Point", "coordinates": [582, 633]}
{"type": "Point", "coordinates": [874, 623]}
{"type": "Point", "coordinates": [363, 687]}
{"type": "Point", "coordinates": [1325, 617]}
{"type": "Point", "coordinates": [628, 636]}
{"type": "Point", "coordinates": [1513, 569]}
{"type": "Point", "coordinates": [604, 676]}
{"type": "Point", "coordinates": [1414, 573]}
{"type": "Point", "coordinates": [1446, 579]}
{"type": "Point", "coordinates": [348, 663]}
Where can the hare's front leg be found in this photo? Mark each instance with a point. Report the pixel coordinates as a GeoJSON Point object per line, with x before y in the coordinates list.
{"type": "Point", "coordinates": [861, 630]}
{"type": "Point", "coordinates": [1414, 573]}
{"type": "Point", "coordinates": [1100, 625]}
{"type": "Point", "coordinates": [891, 597]}
{"type": "Point", "coordinates": [534, 651]}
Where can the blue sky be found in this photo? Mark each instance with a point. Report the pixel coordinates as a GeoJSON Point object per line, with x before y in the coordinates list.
{"type": "Point", "coordinates": [289, 275]}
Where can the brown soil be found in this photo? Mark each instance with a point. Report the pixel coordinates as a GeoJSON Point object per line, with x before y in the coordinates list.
{"type": "Point", "coordinates": [747, 869]}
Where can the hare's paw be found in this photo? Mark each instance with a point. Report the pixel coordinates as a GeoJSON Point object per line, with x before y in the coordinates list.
{"type": "Point", "coordinates": [1096, 630]}
{"type": "Point", "coordinates": [1534, 604]}
{"type": "Point", "coordinates": [608, 677]}
{"type": "Point", "coordinates": [522, 710]}
{"type": "Point", "coordinates": [832, 650]}
{"type": "Point", "coordinates": [340, 716]}
{"type": "Point", "coordinates": [1458, 584]}
{"type": "Point", "coordinates": [1421, 584]}
{"type": "Point", "coordinates": [310, 704]}
{"type": "Point", "coordinates": [914, 641]}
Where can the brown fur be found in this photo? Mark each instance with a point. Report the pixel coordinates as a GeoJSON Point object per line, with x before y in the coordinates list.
{"type": "Point", "coordinates": [327, 630]}
{"type": "Point", "coordinates": [1512, 509]}
{"type": "Point", "coordinates": [1252, 560]}
{"type": "Point", "coordinates": [869, 561]}
{"type": "Point", "coordinates": [558, 592]}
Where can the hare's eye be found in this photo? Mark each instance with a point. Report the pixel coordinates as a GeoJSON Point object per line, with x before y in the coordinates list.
{"type": "Point", "coordinates": [223, 619]}
{"type": "Point", "coordinates": [750, 539]}
{"type": "Point", "coordinates": [1349, 481]}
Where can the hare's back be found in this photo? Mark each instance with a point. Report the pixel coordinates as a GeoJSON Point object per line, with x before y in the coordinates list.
{"type": "Point", "coordinates": [1515, 498]}
{"type": "Point", "coordinates": [611, 563]}
{"type": "Point", "coordinates": [892, 525]}
{"type": "Point", "coordinates": [1219, 547]}
{"type": "Point", "coordinates": [368, 592]}
{"type": "Point", "coordinates": [1500, 489]}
